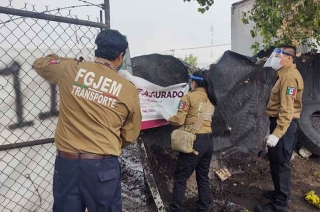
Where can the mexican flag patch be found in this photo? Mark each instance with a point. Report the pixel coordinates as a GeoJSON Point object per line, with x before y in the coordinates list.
{"type": "Point", "coordinates": [182, 105]}
{"type": "Point", "coordinates": [55, 62]}
{"type": "Point", "coordinates": [291, 91]}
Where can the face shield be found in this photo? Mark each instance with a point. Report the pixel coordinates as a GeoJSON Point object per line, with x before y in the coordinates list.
{"type": "Point", "coordinates": [275, 59]}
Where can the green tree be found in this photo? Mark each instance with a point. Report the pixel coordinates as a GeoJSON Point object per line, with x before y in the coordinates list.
{"type": "Point", "coordinates": [204, 4]}
{"type": "Point", "coordinates": [295, 22]}
{"type": "Point", "coordinates": [190, 59]}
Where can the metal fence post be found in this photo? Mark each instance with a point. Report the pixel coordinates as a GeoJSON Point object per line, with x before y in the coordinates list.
{"type": "Point", "coordinates": [107, 12]}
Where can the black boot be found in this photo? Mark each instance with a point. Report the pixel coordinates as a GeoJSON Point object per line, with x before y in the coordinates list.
{"type": "Point", "coordinates": [268, 208]}
{"type": "Point", "coordinates": [269, 194]}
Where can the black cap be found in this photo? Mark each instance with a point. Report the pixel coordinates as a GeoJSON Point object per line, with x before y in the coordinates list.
{"type": "Point", "coordinates": [111, 41]}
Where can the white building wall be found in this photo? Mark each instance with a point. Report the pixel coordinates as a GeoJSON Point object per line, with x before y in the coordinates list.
{"type": "Point", "coordinates": [241, 39]}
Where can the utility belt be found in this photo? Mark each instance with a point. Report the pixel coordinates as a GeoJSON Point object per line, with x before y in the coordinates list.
{"type": "Point", "coordinates": [204, 136]}
{"type": "Point", "coordinates": [200, 136]}
{"type": "Point", "coordinates": [76, 156]}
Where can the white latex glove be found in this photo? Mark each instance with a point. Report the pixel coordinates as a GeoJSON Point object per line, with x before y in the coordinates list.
{"type": "Point", "coordinates": [164, 114]}
{"type": "Point", "coordinates": [272, 140]}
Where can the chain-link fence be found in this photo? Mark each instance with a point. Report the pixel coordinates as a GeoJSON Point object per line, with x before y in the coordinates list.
{"type": "Point", "coordinates": [28, 104]}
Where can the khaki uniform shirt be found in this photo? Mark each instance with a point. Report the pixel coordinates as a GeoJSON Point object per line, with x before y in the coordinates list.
{"type": "Point", "coordinates": [99, 109]}
{"type": "Point", "coordinates": [190, 107]}
{"type": "Point", "coordinates": [286, 99]}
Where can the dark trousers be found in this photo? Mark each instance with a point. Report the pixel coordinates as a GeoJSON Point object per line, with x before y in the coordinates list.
{"type": "Point", "coordinates": [186, 164]}
{"type": "Point", "coordinates": [87, 183]}
{"type": "Point", "coordinates": [280, 166]}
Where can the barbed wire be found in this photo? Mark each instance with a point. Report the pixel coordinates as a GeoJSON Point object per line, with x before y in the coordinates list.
{"type": "Point", "coordinates": [197, 47]}
{"type": "Point", "coordinates": [86, 2]}
{"type": "Point", "coordinates": [48, 11]}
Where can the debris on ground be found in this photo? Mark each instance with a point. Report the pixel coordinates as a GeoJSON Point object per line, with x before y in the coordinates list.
{"type": "Point", "coordinates": [294, 155]}
{"type": "Point", "coordinates": [149, 176]}
{"type": "Point", "coordinates": [223, 173]}
{"type": "Point", "coordinates": [304, 152]}
{"type": "Point", "coordinates": [313, 199]}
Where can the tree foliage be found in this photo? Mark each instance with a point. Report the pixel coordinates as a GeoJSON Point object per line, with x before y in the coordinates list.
{"type": "Point", "coordinates": [190, 59]}
{"type": "Point", "coordinates": [204, 4]}
{"type": "Point", "coordinates": [295, 22]}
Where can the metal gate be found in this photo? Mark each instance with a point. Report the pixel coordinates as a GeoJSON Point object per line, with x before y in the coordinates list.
{"type": "Point", "coordinates": [28, 104]}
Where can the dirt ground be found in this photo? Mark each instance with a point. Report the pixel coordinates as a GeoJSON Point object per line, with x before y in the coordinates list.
{"type": "Point", "coordinates": [243, 191]}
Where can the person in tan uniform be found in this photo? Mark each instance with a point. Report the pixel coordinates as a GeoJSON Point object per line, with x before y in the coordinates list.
{"type": "Point", "coordinates": [284, 108]}
{"type": "Point", "coordinates": [190, 107]}
{"type": "Point", "coordinates": [99, 114]}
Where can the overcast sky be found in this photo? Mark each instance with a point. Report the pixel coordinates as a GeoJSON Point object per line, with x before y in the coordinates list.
{"type": "Point", "coordinates": [157, 26]}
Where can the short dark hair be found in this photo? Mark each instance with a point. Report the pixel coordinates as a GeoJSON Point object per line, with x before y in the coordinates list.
{"type": "Point", "coordinates": [111, 43]}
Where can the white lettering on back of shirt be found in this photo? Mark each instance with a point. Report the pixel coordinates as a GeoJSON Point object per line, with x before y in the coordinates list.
{"type": "Point", "coordinates": [89, 78]}
{"type": "Point", "coordinates": [115, 88]}
{"type": "Point", "coordinates": [105, 84]}
{"type": "Point", "coordinates": [80, 74]}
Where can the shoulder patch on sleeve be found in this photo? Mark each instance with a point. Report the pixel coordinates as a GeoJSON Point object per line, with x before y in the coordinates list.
{"type": "Point", "coordinates": [291, 91]}
{"type": "Point", "coordinates": [55, 62]}
{"type": "Point", "coordinates": [182, 105]}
